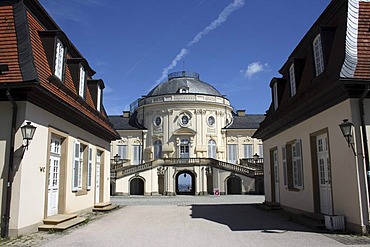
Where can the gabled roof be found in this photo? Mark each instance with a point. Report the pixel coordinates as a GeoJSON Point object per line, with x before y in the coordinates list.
{"type": "Point", "coordinates": [30, 76]}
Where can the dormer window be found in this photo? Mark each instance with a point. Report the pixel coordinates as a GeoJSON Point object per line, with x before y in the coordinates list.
{"type": "Point", "coordinates": [82, 82]}
{"type": "Point", "coordinates": [183, 90]}
{"type": "Point", "coordinates": [98, 99]}
{"type": "Point", "coordinates": [318, 55]}
{"type": "Point", "coordinates": [292, 80]}
{"type": "Point", "coordinates": [275, 95]}
{"type": "Point", "coordinates": [59, 60]}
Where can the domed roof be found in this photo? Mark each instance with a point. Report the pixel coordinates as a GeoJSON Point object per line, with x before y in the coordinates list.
{"type": "Point", "coordinates": [183, 82]}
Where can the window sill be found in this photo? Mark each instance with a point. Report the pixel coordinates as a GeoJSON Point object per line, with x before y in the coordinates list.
{"type": "Point", "coordinates": [81, 192]}
{"type": "Point", "coordinates": [294, 189]}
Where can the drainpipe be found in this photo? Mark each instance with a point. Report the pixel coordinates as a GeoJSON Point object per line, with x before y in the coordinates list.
{"type": "Point", "coordinates": [364, 133]}
{"type": "Point", "coordinates": [6, 216]}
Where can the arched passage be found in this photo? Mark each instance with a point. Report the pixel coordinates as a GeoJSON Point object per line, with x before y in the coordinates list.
{"type": "Point", "coordinates": [234, 185]}
{"type": "Point", "coordinates": [137, 186]}
{"type": "Point", "coordinates": [185, 183]}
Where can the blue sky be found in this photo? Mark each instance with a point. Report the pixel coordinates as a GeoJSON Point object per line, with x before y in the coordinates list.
{"type": "Point", "coordinates": [237, 46]}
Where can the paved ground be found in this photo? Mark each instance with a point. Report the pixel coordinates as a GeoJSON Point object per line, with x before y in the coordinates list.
{"type": "Point", "coordinates": [190, 221]}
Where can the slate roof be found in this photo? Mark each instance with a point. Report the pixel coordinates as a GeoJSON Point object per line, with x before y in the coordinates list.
{"type": "Point", "coordinates": [123, 123]}
{"type": "Point", "coordinates": [249, 121]}
{"type": "Point", "coordinates": [194, 85]}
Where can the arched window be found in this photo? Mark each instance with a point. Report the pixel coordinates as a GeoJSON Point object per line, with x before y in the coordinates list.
{"type": "Point", "coordinates": [212, 149]}
{"type": "Point", "coordinates": [157, 149]}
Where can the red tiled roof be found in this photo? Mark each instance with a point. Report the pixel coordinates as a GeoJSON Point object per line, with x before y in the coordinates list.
{"type": "Point", "coordinates": [16, 24]}
{"type": "Point", "coordinates": [363, 42]}
{"type": "Point", "coordinates": [8, 46]}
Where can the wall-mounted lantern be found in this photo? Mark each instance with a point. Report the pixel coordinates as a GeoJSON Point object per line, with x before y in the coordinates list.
{"type": "Point", "coordinates": [256, 157]}
{"type": "Point", "coordinates": [117, 158]}
{"type": "Point", "coordinates": [347, 130]}
{"type": "Point", "coordinates": [28, 131]}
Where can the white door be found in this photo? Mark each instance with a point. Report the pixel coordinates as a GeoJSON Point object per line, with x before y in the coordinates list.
{"type": "Point", "coordinates": [276, 176]}
{"type": "Point", "coordinates": [184, 148]}
{"type": "Point", "coordinates": [53, 178]}
{"type": "Point", "coordinates": [97, 179]}
{"type": "Point", "coordinates": [324, 169]}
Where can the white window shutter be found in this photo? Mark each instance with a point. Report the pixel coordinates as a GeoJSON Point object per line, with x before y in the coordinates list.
{"type": "Point", "coordinates": [76, 164]}
{"type": "Point", "coordinates": [285, 168]}
{"type": "Point", "coordinates": [89, 167]}
{"type": "Point", "coordinates": [299, 164]}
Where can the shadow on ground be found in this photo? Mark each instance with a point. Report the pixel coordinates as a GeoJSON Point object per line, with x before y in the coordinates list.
{"type": "Point", "coordinates": [245, 217]}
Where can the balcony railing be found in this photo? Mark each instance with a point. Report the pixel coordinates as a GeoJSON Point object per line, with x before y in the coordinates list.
{"type": "Point", "coordinates": [247, 168]}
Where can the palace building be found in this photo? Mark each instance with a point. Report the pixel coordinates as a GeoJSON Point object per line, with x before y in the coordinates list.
{"type": "Point", "coordinates": [184, 137]}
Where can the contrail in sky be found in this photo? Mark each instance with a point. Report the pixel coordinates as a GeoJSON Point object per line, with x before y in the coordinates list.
{"type": "Point", "coordinates": [222, 17]}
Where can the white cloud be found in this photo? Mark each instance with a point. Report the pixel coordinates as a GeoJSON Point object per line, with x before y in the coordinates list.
{"type": "Point", "coordinates": [254, 68]}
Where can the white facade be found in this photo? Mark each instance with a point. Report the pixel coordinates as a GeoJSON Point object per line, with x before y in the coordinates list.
{"type": "Point", "coordinates": [182, 132]}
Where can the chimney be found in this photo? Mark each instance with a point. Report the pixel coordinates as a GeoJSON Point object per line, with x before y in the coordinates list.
{"type": "Point", "coordinates": [240, 113]}
{"type": "Point", "coordinates": [126, 114]}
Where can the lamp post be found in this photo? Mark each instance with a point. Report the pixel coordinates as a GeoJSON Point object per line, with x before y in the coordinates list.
{"type": "Point", "coordinates": [255, 158]}
{"type": "Point", "coordinates": [347, 130]}
{"type": "Point", "coordinates": [28, 131]}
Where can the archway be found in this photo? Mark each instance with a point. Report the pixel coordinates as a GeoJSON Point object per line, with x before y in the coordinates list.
{"type": "Point", "coordinates": [185, 183]}
{"type": "Point", "coordinates": [137, 186]}
{"type": "Point", "coordinates": [234, 185]}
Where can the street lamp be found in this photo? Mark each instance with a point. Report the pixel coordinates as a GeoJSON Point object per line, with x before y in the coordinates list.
{"type": "Point", "coordinates": [256, 157]}
{"type": "Point", "coordinates": [347, 131]}
{"type": "Point", "coordinates": [117, 158]}
{"type": "Point", "coordinates": [28, 131]}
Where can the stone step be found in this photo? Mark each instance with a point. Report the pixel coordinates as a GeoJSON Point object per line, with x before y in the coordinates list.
{"type": "Point", "coordinates": [62, 226]}
{"type": "Point", "coordinates": [58, 218]}
{"type": "Point", "coordinates": [102, 204]}
{"type": "Point", "coordinates": [105, 209]}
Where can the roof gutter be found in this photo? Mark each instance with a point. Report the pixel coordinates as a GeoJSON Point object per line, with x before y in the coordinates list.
{"type": "Point", "coordinates": [9, 182]}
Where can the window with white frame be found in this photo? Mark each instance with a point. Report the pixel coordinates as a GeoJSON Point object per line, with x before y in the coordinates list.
{"type": "Point", "coordinates": [292, 81]}
{"type": "Point", "coordinates": [260, 150]}
{"type": "Point", "coordinates": [212, 149]}
{"type": "Point", "coordinates": [248, 150]}
{"type": "Point", "coordinates": [275, 95]}
{"type": "Point", "coordinates": [157, 149]}
{"type": "Point", "coordinates": [89, 168]}
{"type": "Point", "coordinates": [77, 166]}
{"type": "Point", "coordinates": [231, 153]}
{"type": "Point", "coordinates": [292, 165]}
{"type": "Point", "coordinates": [81, 89]}
{"type": "Point", "coordinates": [98, 99]}
{"type": "Point", "coordinates": [136, 154]}
{"type": "Point", "coordinates": [59, 60]}
{"type": "Point", "coordinates": [122, 151]}
{"type": "Point", "coordinates": [318, 55]}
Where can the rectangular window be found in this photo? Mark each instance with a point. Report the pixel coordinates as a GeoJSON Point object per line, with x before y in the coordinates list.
{"type": "Point", "coordinates": [137, 155]}
{"type": "Point", "coordinates": [98, 99]}
{"type": "Point", "coordinates": [122, 151]}
{"type": "Point", "coordinates": [292, 165]}
{"type": "Point", "coordinates": [59, 60]}
{"type": "Point", "coordinates": [292, 80]}
{"type": "Point", "coordinates": [81, 90]}
{"type": "Point", "coordinates": [318, 55]}
{"type": "Point", "coordinates": [260, 150]}
{"type": "Point", "coordinates": [275, 95]}
{"type": "Point", "coordinates": [231, 153]}
{"type": "Point", "coordinates": [248, 151]}
{"type": "Point", "coordinates": [89, 168]}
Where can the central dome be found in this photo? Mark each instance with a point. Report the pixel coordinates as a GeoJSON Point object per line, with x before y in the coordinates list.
{"type": "Point", "coordinates": [184, 82]}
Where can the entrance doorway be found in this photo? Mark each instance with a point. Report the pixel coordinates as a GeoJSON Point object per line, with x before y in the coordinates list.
{"type": "Point", "coordinates": [53, 178]}
{"type": "Point", "coordinates": [234, 185]}
{"type": "Point", "coordinates": [324, 170]}
{"type": "Point", "coordinates": [137, 186]}
{"type": "Point", "coordinates": [185, 183]}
